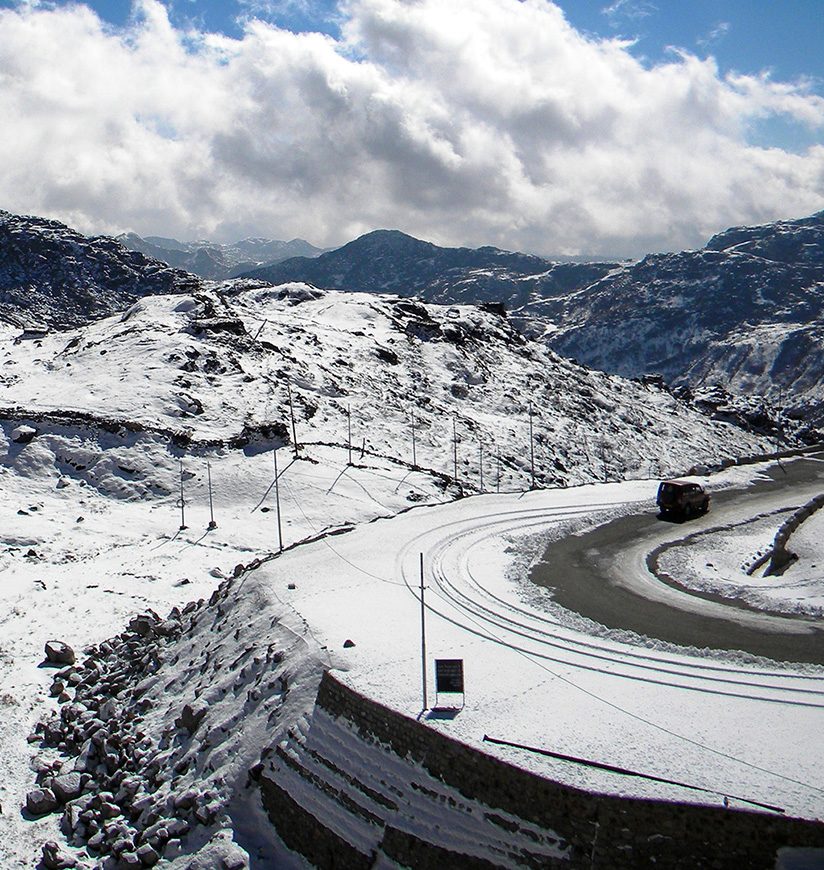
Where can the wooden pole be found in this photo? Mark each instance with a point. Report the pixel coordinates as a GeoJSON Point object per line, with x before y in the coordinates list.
{"type": "Point", "coordinates": [454, 451]}
{"type": "Point", "coordinates": [531, 451]}
{"type": "Point", "coordinates": [212, 523]}
{"type": "Point", "coordinates": [292, 416]}
{"type": "Point", "coordinates": [277, 500]}
{"type": "Point", "coordinates": [423, 640]}
{"type": "Point", "coordinates": [414, 445]}
{"type": "Point", "coordinates": [181, 502]}
{"type": "Point", "coordinates": [481, 463]}
{"type": "Point", "coordinates": [349, 430]}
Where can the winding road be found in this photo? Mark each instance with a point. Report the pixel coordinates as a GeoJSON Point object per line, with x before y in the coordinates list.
{"type": "Point", "coordinates": [604, 575]}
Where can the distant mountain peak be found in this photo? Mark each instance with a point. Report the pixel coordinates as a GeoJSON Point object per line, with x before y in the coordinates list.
{"type": "Point", "coordinates": [214, 260]}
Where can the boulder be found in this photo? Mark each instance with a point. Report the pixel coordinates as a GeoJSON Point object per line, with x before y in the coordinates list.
{"type": "Point", "coordinates": [23, 434]}
{"type": "Point", "coordinates": [55, 859]}
{"type": "Point", "coordinates": [147, 855]}
{"type": "Point", "coordinates": [67, 787]}
{"type": "Point", "coordinates": [40, 801]}
{"type": "Point", "coordinates": [59, 653]}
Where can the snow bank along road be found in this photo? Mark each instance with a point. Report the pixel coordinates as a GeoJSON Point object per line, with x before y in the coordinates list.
{"type": "Point", "coordinates": [540, 676]}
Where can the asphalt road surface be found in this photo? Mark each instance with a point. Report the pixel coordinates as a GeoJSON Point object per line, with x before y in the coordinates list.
{"type": "Point", "coordinates": [604, 575]}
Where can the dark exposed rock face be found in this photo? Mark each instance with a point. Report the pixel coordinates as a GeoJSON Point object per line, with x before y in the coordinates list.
{"type": "Point", "coordinates": [745, 311]}
{"type": "Point", "coordinates": [52, 275]}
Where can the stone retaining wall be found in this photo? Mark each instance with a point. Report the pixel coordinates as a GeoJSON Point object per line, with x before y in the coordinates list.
{"type": "Point", "coordinates": [599, 830]}
{"type": "Point", "coordinates": [781, 556]}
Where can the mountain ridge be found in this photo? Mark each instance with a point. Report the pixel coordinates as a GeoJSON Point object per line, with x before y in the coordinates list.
{"type": "Point", "coordinates": [53, 275]}
{"type": "Point", "coordinates": [217, 261]}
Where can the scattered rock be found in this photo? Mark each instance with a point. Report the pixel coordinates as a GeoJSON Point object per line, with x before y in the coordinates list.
{"type": "Point", "coordinates": [59, 653]}
{"type": "Point", "coordinates": [191, 716]}
{"type": "Point", "coordinates": [348, 643]}
{"type": "Point", "coordinates": [55, 859]}
{"type": "Point", "coordinates": [40, 801]}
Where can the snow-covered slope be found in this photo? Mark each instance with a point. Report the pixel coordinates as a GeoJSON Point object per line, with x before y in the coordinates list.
{"type": "Point", "coordinates": [52, 275]}
{"type": "Point", "coordinates": [216, 364]}
{"type": "Point", "coordinates": [744, 312]}
{"type": "Point", "coordinates": [218, 261]}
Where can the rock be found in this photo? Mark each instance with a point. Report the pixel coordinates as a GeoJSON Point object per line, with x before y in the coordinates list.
{"type": "Point", "coordinates": [191, 716]}
{"type": "Point", "coordinates": [177, 828]}
{"type": "Point", "coordinates": [143, 624]}
{"type": "Point", "coordinates": [186, 800]}
{"type": "Point", "coordinates": [348, 644]}
{"type": "Point", "coordinates": [54, 859]}
{"type": "Point", "coordinates": [59, 653]}
{"type": "Point", "coordinates": [23, 434]}
{"type": "Point", "coordinates": [40, 801]}
{"type": "Point", "coordinates": [147, 855]}
{"type": "Point", "coordinates": [109, 810]}
{"type": "Point", "coordinates": [130, 859]}
{"type": "Point", "coordinates": [67, 787]}
{"type": "Point", "coordinates": [174, 849]}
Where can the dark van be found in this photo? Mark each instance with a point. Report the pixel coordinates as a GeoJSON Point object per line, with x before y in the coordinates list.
{"type": "Point", "coordinates": [682, 498]}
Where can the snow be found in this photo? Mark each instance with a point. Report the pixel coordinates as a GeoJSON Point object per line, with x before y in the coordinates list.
{"type": "Point", "coordinates": [725, 561]}
{"type": "Point", "coordinates": [91, 535]}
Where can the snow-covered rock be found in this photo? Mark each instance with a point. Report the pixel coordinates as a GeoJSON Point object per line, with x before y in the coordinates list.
{"type": "Point", "coordinates": [53, 275]}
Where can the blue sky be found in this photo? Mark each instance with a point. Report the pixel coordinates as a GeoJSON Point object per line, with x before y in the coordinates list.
{"type": "Point", "coordinates": [582, 126]}
{"type": "Point", "coordinates": [784, 37]}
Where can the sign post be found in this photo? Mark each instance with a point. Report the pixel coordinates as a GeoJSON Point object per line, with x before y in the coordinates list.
{"type": "Point", "coordinates": [449, 678]}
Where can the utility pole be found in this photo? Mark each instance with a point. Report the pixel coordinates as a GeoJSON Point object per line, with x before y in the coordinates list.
{"type": "Point", "coordinates": [292, 415]}
{"type": "Point", "coordinates": [454, 451]}
{"type": "Point", "coordinates": [531, 451]}
{"type": "Point", "coordinates": [277, 500]}
{"type": "Point", "coordinates": [481, 462]}
{"type": "Point", "coordinates": [498, 451]}
{"type": "Point", "coordinates": [423, 640]}
{"type": "Point", "coordinates": [181, 502]}
{"type": "Point", "coordinates": [349, 430]}
{"type": "Point", "coordinates": [212, 523]}
{"type": "Point", "coordinates": [414, 445]}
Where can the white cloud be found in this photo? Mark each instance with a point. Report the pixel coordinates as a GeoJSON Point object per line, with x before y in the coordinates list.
{"type": "Point", "coordinates": [467, 121]}
{"type": "Point", "coordinates": [715, 35]}
{"type": "Point", "coordinates": [628, 10]}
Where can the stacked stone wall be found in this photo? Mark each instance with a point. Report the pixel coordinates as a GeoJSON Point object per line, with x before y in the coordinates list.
{"type": "Point", "coordinates": [600, 830]}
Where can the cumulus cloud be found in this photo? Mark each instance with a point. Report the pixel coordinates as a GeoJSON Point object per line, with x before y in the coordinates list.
{"type": "Point", "coordinates": [464, 122]}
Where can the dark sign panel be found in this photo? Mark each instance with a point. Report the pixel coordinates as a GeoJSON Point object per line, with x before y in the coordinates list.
{"type": "Point", "coordinates": [449, 675]}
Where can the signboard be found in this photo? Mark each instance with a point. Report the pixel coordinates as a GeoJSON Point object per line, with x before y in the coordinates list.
{"type": "Point", "coordinates": [449, 675]}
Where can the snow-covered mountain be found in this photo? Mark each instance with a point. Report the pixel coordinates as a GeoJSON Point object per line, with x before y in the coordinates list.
{"type": "Point", "coordinates": [389, 261]}
{"type": "Point", "coordinates": [52, 275]}
{"type": "Point", "coordinates": [745, 311]}
{"type": "Point", "coordinates": [217, 364]}
{"type": "Point", "coordinates": [218, 261]}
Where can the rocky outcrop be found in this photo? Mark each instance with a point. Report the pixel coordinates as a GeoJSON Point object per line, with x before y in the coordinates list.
{"type": "Point", "coordinates": [54, 276]}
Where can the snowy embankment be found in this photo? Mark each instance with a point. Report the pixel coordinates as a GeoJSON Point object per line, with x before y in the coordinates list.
{"type": "Point", "coordinates": [91, 537]}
